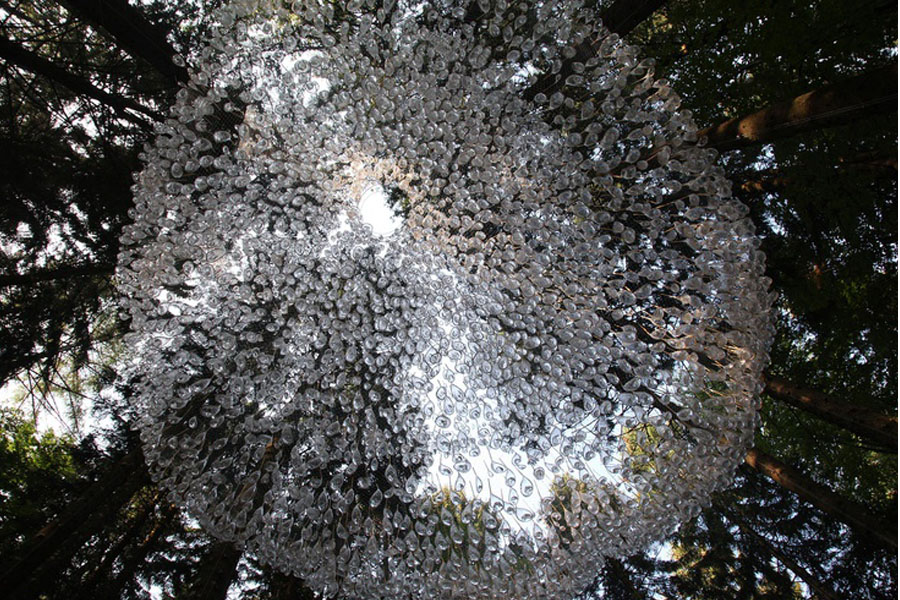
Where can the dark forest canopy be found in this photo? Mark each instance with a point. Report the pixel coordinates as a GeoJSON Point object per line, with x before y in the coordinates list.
{"type": "Point", "coordinates": [799, 97]}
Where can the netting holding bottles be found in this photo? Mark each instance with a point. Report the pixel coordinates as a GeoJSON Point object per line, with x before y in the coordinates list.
{"type": "Point", "coordinates": [541, 347]}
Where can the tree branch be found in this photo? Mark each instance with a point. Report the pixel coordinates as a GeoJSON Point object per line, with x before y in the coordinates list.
{"type": "Point", "coordinates": [871, 93]}
{"type": "Point", "coordinates": [60, 272]}
{"type": "Point", "coordinates": [25, 59]}
{"type": "Point", "coordinates": [823, 498]}
{"type": "Point", "coordinates": [821, 591]}
{"type": "Point", "coordinates": [872, 426]}
{"type": "Point", "coordinates": [133, 33]}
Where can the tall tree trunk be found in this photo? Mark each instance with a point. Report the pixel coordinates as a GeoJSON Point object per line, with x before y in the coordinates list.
{"type": "Point", "coordinates": [129, 538]}
{"type": "Point", "coordinates": [877, 428]}
{"type": "Point", "coordinates": [762, 185]}
{"type": "Point", "coordinates": [53, 548]}
{"type": "Point", "coordinates": [54, 273]}
{"type": "Point", "coordinates": [25, 59]}
{"type": "Point", "coordinates": [132, 32]}
{"type": "Point", "coordinates": [820, 496]}
{"type": "Point", "coordinates": [871, 93]}
{"type": "Point", "coordinates": [879, 163]}
{"type": "Point", "coordinates": [773, 181]}
{"type": "Point", "coordinates": [821, 591]}
{"type": "Point", "coordinates": [215, 573]}
{"type": "Point", "coordinates": [134, 557]}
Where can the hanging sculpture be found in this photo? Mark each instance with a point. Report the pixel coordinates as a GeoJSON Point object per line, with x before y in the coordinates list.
{"type": "Point", "coordinates": [545, 353]}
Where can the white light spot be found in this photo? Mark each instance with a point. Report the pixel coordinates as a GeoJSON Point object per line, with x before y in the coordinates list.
{"type": "Point", "coordinates": [374, 210]}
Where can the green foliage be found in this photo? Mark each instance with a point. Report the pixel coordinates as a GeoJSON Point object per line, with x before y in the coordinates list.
{"type": "Point", "coordinates": [640, 441]}
{"type": "Point", "coordinates": [464, 528]}
{"type": "Point", "coordinates": [829, 229]}
{"type": "Point", "coordinates": [727, 59]}
{"type": "Point", "coordinates": [713, 562]}
{"type": "Point", "coordinates": [831, 456]}
{"type": "Point", "coordinates": [574, 499]}
{"type": "Point", "coordinates": [824, 204]}
{"type": "Point", "coordinates": [37, 476]}
{"type": "Point", "coordinates": [567, 492]}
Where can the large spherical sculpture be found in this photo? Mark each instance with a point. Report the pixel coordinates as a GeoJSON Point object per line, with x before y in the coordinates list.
{"type": "Point", "coordinates": [441, 301]}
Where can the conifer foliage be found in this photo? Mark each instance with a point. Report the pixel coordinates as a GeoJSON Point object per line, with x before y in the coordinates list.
{"type": "Point", "coordinates": [799, 99]}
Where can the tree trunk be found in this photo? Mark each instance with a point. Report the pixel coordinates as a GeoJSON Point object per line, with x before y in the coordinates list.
{"type": "Point", "coordinates": [878, 163]}
{"type": "Point", "coordinates": [33, 63]}
{"type": "Point", "coordinates": [216, 571]}
{"type": "Point", "coordinates": [53, 548]}
{"type": "Point", "coordinates": [54, 273]}
{"type": "Point", "coordinates": [874, 427]}
{"type": "Point", "coordinates": [768, 181]}
{"type": "Point", "coordinates": [127, 539]}
{"type": "Point", "coordinates": [871, 93]}
{"type": "Point", "coordinates": [135, 557]}
{"type": "Point", "coordinates": [820, 496]}
{"type": "Point", "coordinates": [762, 186]}
{"type": "Point", "coordinates": [132, 32]}
{"type": "Point", "coordinates": [821, 591]}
